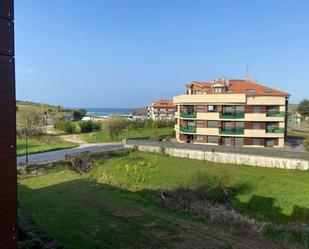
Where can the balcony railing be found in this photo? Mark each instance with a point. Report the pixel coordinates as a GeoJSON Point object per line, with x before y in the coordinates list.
{"type": "Point", "coordinates": [188, 129]}
{"type": "Point", "coordinates": [188, 114]}
{"type": "Point", "coordinates": [232, 115]}
{"type": "Point", "coordinates": [232, 130]}
{"type": "Point", "coordinates": [274, 130]}
{"type": "Point", "coordinates": [275, 114]}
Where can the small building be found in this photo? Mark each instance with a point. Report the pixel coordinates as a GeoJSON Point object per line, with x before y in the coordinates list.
{"type": "Point", "coordinates": [162, 110]}
{"type": "Point", "coordinates": [231, 112]}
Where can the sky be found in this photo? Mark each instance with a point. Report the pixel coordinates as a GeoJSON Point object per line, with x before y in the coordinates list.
{"type": "Point", "coordinates": [127, 53]}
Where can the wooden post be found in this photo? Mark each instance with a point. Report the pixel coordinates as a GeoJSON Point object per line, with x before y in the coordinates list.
{"type": "Point", "coordinates": [8, 185]}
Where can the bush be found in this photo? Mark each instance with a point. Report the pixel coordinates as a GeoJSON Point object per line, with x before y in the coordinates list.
{"type": "Point", "coordinates": [79, 114]}
{"type": "Point", "coordinates": [89, 126]}
{"type": "Point", "coordinates": [306, 144]}
{"type": "Point", "coordinates": [214, 188]}
{"type": "Point", "coordinates": [80, 163]}
{"type": "Point", "coordinates": [155, 136]}
{"type": "Point", "coordinates": [114, 126]}
{"type": "Point", "coordinates": [67, 127]}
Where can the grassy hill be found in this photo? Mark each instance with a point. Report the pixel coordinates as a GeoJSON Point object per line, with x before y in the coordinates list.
{"type": "Point", "coordinates": [53, 111]}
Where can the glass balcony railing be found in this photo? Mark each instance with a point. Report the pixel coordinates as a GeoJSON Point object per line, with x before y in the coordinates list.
{"type": "Point", "coordinates": [188, 129]}
{"type": "Point", "coordinates": [188, 114]}
{"type": "Point", "coordinates": [232, 130]}
{"type": "Point", "coordinates": [274, 130]}
{"type": "Point", "coordinates": [232, 115]}
{"type": "Point", "coordinates": [275, 114]}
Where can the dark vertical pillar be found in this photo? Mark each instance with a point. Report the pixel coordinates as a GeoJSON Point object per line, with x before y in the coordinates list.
{"type": "Point", "coordinates": [8, 187]}
{"type": "Point", "coordinates": [286, 118]}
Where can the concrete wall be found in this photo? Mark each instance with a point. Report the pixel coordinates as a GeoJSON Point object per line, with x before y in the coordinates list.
{"type": "Point", "coordinates": [234, 158]}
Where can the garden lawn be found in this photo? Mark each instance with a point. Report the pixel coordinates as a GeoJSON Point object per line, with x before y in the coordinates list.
{"type": "Point", "coordinates": [42, 144]}
{"type": "Point", "coordinates": [102, 136]}
{"type": "Point", "coordinates": [81, 213]}
{"type": "Point", "coordinates": [268, 194]}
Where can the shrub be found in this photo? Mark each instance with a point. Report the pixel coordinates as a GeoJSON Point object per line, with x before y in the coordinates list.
{"type": "Point", "coordinates": [155, 136]}
{"type": "Point", "coordinates": [290, 237]}
{"type": "Point", "coordinates": [89, 126]}
{"type": "Point", "coordinates": [306, 144]}
{"type": "Point", "coordinates": [114, 126]}
{"type": "Point", "coordinates": [211, 187]}
{"type": "Point", "coordinates": [80, 163]}
{"type": "Point", "coordinates": [67, 127]}
{"type": "Point", "coordinates": [79, 114]}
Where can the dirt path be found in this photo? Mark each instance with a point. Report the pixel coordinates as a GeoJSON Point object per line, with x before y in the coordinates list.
{"type": "Point", "coordinates": [73, 139]}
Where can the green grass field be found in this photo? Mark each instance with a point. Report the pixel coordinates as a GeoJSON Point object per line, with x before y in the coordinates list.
{"type": "Point", "coordinates": [297, 134]}
{"type": "Point", "coordinates": [102, 137]}
{"type": "Point", "coordinates": [113, 204]}
{"type": "Point", "coordinates": [42, 144]}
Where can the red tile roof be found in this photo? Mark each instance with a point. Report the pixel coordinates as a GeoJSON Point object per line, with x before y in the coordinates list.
{"type": "Point", "coordinates": [239, 86]}
{"type": "Point", "coordinates": [163, 103]}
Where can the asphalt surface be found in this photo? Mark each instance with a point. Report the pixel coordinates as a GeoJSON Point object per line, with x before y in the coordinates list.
{"type": "Point", "coordinates": [57, 155]}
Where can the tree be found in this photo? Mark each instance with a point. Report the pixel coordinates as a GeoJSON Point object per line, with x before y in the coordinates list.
{"type": "Point", "coordinates": [30, 122]}
{"type": "Point", "coordinates": [79, 114]}
{"type": "Point", "coordinates": [114, 126]}
{"type": "Point", "coordinates": [303, 108]}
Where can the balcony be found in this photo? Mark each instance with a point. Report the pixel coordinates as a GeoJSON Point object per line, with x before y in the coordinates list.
{"type": "Point", "coordinates": [275, 114]}
{"type": "Point", "coordinates": [275, 130]}
{"type": "Point", "coordinates": [188, 129]}
{"type": "Point", "coordinates": [232, 131]}
{"type": "Point", "coordinates": [232, 115]}
{"type": "Point", "coordinates": [188, 114]}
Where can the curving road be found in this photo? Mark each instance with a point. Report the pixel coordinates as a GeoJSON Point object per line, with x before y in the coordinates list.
{"type": "Point", "coordinates": [53, 156]}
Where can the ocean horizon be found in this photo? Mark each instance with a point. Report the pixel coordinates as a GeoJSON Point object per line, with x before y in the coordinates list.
{"type": "Point", "coordinates": [95, 112]}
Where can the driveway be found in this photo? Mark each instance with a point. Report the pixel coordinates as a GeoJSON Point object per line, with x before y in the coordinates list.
{"type": "Point", "coordinates": [57, 155]}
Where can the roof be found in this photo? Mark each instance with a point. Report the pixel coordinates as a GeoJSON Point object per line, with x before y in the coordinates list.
{"type": "Point", "coordinates": [239, 86]}
{"type": "Point", "coordinates": [163, 103]}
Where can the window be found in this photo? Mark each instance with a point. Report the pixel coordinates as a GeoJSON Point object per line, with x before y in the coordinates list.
{"type": "Point", "coordinates": [255, 141]}
{"type": "Point", "coordinates": [251, 91]}
{"type": "Point", "coordinates": [272, 109]}
{"type": "Point", "coordinates": [228, 141]}
{"type": "Point", "coordinates": [199, 123]}
{"type": "Point", "coordinates": [228, 124]}
{"type": "Point", "coordinates": [239, 124]}
{"type": "Point", "coordinates": [256, 109]}
{"type": "Point", "coordinates": [239, 141]}
{"type": "Point", "coordinates": [198, 92]}
{"type": "Point", "coordinates": [217, 89]}
{"type": "Point", "coordinates": [267, 90]}
{"type": "Point", "coordinates": [255, 125]}
{"type": "Point", "coordinates": [240, 108]}
{"type": "Point", "coordinates": [270, 142]}
{"type": "Point", "coordinates": [212, 139]}
{"type": "Point", "coordinates": [212, 124]}
{"type": "Point", "coordinates": [211, 108]}
{"type": "Point", "coordinates": [228, 109]}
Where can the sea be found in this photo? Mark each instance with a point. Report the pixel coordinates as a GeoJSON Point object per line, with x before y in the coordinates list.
{"type": "Point", "coordinates": [95, 112]}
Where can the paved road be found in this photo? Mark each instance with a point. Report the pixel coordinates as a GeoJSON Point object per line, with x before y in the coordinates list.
{"type": "Point", "coordinates": [59, 154]}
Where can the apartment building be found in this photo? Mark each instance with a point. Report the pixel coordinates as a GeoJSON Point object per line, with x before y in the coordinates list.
{"type": "Point", "coordinates": [161, 110]}
{"type": "Point", "coordinates": [231, 112]}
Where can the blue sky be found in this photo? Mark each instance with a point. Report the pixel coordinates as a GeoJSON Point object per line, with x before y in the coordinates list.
{"type": "Point", "coordinates": [126, 53]}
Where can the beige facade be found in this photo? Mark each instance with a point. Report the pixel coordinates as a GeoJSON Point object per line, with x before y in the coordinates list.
{"type": "Point", "coordinates": [235, 113]}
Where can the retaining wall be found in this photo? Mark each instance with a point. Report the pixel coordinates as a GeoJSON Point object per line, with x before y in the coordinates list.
{"type": "Point", "coordinates": [222, 157]}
